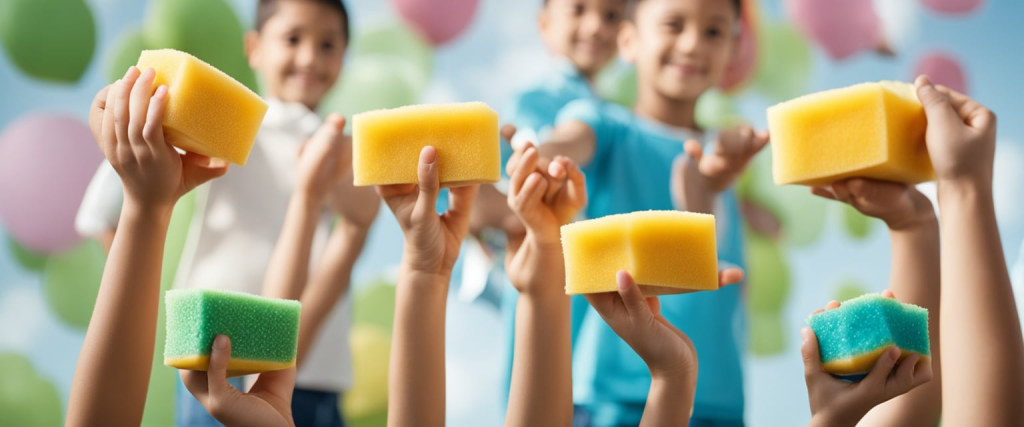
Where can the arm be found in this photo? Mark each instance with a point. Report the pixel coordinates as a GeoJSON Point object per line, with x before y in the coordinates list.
{"type": "Point", "coordinates": [978, 303]}
{"type": "Point", "coordinates": [541, 389]}
{"type": "Point", "coordinates": [573, 139]}
{"type": "Point", "coordinates": [112, 374]}
{"type": "Point", "coordinates": [914, 233]}
{"type": "Point", "coordinates": [416, 384]}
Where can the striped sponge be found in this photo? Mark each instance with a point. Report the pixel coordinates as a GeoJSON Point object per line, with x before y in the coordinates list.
{"type": "Point", "coordinates": [853, 336]}
{"type": "Point", "coordinates": [264, 331]}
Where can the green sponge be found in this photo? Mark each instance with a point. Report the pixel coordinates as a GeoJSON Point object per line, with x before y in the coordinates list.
{"type": "Point", "coordinates": [264, 331]}
{"type": "Point", "coordinates": [853, 336]}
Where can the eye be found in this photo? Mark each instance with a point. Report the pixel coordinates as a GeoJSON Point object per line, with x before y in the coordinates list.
{"type": "Point", "coordinates": [328, 46]}
{"type": "Point", "coordinates": [611, 16]}
{"type": "Point", "coordinates": [577, 10]}
{"type": "Point", "coordinates": [714, 33]}
{"type": "Point", "coordinates": [293, 40]}
{"type": "Point", "coordinates": [673, 26]}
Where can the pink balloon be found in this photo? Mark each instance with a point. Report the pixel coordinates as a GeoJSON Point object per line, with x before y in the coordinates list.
{"type": "Point", "coordinates": [439, 21]}
{"type": "Point", "coordinates": [46, 162]}
{"type": "Point", "coordinates": [742, 66]}
{"type": "Point", "coordinates": [944, 69]}
{"type": "Point", "coordinates": [842, 28]}
{"type": "Point", "coordinates": [952, 7]}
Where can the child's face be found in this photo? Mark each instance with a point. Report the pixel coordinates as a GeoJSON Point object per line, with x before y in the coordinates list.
{"type": "Point", "coordinates": [299, 51]}
{"type": "Point", "coordinates": [680, 47]}
{"type": "Point", "coordinates": [583, 30]}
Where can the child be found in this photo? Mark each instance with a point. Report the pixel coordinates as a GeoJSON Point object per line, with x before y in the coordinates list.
{"type": "Point", "coordinates": [681, 48]}
{"type": "Point", "coordinates": [297, 48]}
{"type": "Point", "coordinates": [914, 233]}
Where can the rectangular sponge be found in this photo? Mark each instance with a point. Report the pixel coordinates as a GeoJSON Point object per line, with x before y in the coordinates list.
{"type": "Point", "coordinates": [666, 252]}
{"type": "Point", "coordinates": [386, 144]}
{"type": "Point", "coordinates": [264, 332]}
{"type": "Point", "coordinates": [208, 112]}
{"type": "Point", "coordinates": [869, 130]}
{"type": "Point", "coordinates": [853, 336]}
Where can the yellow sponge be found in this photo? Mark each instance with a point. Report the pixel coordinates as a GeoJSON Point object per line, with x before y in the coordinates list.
{"type": "Point", "coordinates": [208, 112]}
{"type": "Point", "coordinates": [666, 252]}
{"type": "Point", "coordinates": [386, 144]}
{"type": "Point", "coordinates": [869, 130]}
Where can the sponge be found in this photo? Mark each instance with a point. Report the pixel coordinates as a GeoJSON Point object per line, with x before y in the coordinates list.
{"type": "Point", "coordinates": [264, 332]}
{"type": "Point", "coordinates": [853, 336]}
{"type": "Point", "coordinates": [869, 130]}
{"type": "Point", "coordinates": [208, 112]}
{"type": "Point", "coordinates": [386, 144]}
{"type": "Point", "coordinates": [666, 252]}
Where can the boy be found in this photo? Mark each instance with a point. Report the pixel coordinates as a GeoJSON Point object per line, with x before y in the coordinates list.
{"type": "Point", "coordinates": [297, 47]}
{"type": "Point", "coordinates": [681, 48]}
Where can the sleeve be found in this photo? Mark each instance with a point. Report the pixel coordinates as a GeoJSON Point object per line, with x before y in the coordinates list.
{"type": "Point", "coordinates": [101, 206]}
{"type": "Point", "coordinates": [592, 113]}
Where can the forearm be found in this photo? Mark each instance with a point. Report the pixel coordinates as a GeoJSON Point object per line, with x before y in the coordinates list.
{"type": "Point", "coordinates": [541, 392]}
{"type": "Point", "coordinates": [329, 283]}
{"type": "Point", "coordinates": [573, 139]}
{"type": "Point", "coordinates": [113, 369]}
{"type": "Point", "coordinates": [289, 264]}
{"type": "Point", "coordinates": [670, 400]}
{"type": "Point", "coordinates": [416, 383]}
{"type": "Point", "coordinates": [980, 313]}
{"type": "Point", "coordinates": [696, 195]}
{"type": "Point", "coordinates": [915, 279]}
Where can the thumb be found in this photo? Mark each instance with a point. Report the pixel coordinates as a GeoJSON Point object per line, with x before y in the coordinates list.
{"type": "Point", "coordinates": [632, 298]}
{"type": "Point", "coordinates": [937, 107]}
{"type": "Point", "coordinates": [429, 185]}
{"type": "Point", "coordinates": [811, 356]}
{"type": "Point", "coordinates": [197, 169]}
{"type": "Point", "coordinates": [217, 371]}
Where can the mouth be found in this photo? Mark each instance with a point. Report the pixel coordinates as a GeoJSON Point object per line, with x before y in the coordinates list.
{"type": "Point", "coordinates": [303, 77]}
{"type": "Point", "coordinates": [687, 69]}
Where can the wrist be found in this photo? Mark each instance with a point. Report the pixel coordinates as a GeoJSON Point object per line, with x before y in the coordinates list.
{"type": "Point", "coordinates": [828, 419]}
{"type": "Point", "coordinates": [964, 190]}
{"type": "Point", "coordinates": [137, 211]}
{"type": "Point", "coordinates": [923, 221]}
{"type": "Point", "coordinates": [421, 278]}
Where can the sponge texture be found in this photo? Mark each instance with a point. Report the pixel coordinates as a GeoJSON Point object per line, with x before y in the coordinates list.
{"type": "Point", "coordinates": [386, 144]}
{"type": "Point", "coordinates": [869, 130]}
{"type": "Point", "coordinates": [853, 336]}
{"type": "Point", "coordinates": [666, 252]}
{"type": "Point", "coordinates": [264, 331]}
{"type": "Point", "coordinates": [208, 112]}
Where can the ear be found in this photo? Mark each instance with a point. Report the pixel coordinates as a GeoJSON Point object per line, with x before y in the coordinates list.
{"type": "Point", "coordinates": [252, 51]}
{"type": "Point", "coordinates": [627, 41]}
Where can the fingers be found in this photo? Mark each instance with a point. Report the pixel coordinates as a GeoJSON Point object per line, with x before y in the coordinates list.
{"type": "Point", "coordinates": [809, 352]}
{"type": "Point", "coordinates": [108, 139]}
{"type": "Point", "coordinates": [556, 170]}
{"type": "Point", "coordinates": [526, 165]}
{"type": "Point", "coordinates": [937, 106]}
{"type": "Point", "coordinates": [903, 379]}
{"type": "Point", "coordinates": [217, 372]}
{"type": "Point", "coordinates": [121, 107]}
{"type": "Point", "coordinates": [429, 182]}
{"type": "Point", "coordinates": [879, 374]}
{"type": "Point", "coordinates": [632, 298]}
{"type": "Point", "coordinates": [97, 111]}
{"type": "Point", "coordinates": [153, 131]}
{"type": "Point", "coordinates": [196, 383]}
{"type": "Point", "coordinates": [577, 188]}
{"type": "Point", "coordinates": [530, 196]}
{"type": "Point", "coordinates": [507, 132]}
{"type": "Point", "coordinates": [969, 110]}
{"type": "Point", "coordinates": [279, 383]}
{"type": "Point", "coordinates": [460, 207]}
{"type": "Point", "coordinates": [825, 192]}
{"type": "Point", "coordinates": [138, 105]}
{"type": "Point", "coordinates": [888, 294]}
{"type": "Point", "coordinates": [832, 305]}
{"type": "Point", "coordinates": [198, 169]}
{"type": "Point", "coordinates": [693, 149]}
{"type": "Point", "coordinates": [729, 276]}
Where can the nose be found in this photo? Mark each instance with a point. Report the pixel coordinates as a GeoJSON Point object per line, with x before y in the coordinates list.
{"type": "Point", "coordinates": [688, 42]}
{"type": "Point", "coordinates": [305, 57]}
{"type": "Point", "coordinates": [591, 25]}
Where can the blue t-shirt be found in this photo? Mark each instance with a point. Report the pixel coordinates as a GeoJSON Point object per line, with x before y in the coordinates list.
{"type": "Point", "coordinates": [631, 171]}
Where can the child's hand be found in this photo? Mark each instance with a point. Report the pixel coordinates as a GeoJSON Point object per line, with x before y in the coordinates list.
{"type": "Point", "coordinates": [728, 157]}
{"type": "Point", "coordinates": [536, 259]}
{"type": "Point", "coordinates": [431, 241]}
{"type": "Point", "coordinates": [835, 402]}
{"type": "Point", "coordinates": [132, 138]}
{"type": "Point", "coordinates": [961, 134]}
{"type": "Point", "coordinates": [324, 160]}
{"type": "Point", "coordinates": [268, 402]}
{"type": "Point", "coordinates": [901, 206]}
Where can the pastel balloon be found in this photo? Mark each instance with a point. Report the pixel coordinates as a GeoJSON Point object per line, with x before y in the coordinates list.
{"type": "Point", "coordinates": [716, 110]}
{"type": "Point", "coordinates": [124, 53]}
{"type": "Point", "coordinates": [439, 21]}
{"type": "Point", "coordinates": [28, 260]}
{"type": "Point", "coordinates": [944, 69]}
{"type": "Point", "coordinates": [375, 81]}
{"type": "Point", "coordinates": [27, 398]}
{"type": "Point", "coordinates": [785, 62]}
{"type": "Point", "coordinates": [768, 276]}
{"type": "Point", "coordinates": [952, 7]}
{"type": "Point", "coordinates": [850, 289]}
{"type": "Point", "coordinates": [856, 224]}
{"type": "Point", "coordinates": [767, 334]}
{"type": "Point", "coordinates": [398, 40]}
{"type": "Point", "coordinates": [741, 68]}
{"type": "Point", "coordinates": [72, 280]}
{"type": "Point", "coordinates": [48, 39]}
{"type": "Point", "coordinates": [618, 84]}
{"type": "Point", "coordinates": [46, 162]}
{"type": "Point", "coordinates": [841, 28]}
{"type": "Point", "coordinates": [371, 348]}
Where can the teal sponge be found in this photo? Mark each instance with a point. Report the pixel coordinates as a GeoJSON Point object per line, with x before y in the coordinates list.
{"type": "Point", "coordinates": [853, 336]}
{"type": "Point", "coordinates": [264, 331]}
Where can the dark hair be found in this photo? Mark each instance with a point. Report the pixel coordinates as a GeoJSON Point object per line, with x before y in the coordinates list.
{"type": "Point", "coordinates": [267, 8]}
{"type": "Point", "coordinates": [737, 6]}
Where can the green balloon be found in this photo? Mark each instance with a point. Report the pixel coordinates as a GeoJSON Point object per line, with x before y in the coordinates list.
{"type": "Point", "coordinates": [125, 53]}
{"type": "Point", "coordinates": [716, 110]}
{"type": "Point", "coordinates": [856, 224]}
{"type": "Point", "coordinates": [397, 40]}
{"type": "Point", "coordinates": [48, 39]}
{"type": "Point", "coordinates": [618, 83]}
{"type": "Point", "coordinates": [26, 398]}
{"type": "Point", "coordinates": [767, 334]}
{"type": "Point", "coordinates": [768, 278]}
{"type": "Point", "coordinates": [373, 82]}
{"type": "Point", "coordinates": [29, 260]}
{"type": "Point", "coordinates": [371, 350]}
{"type": "Point", "coordinates": [784, 67]}
{"type": "Point", "coordinates": [801, 214]}
{"type": "Point", "coordinates": [72, 280]}
{"type": "Point", "coordinates": [850, 289]}
{"type": "Point", "coordinates": [375, 305]}
{"type": "Point", "coordinates": [208, 29]}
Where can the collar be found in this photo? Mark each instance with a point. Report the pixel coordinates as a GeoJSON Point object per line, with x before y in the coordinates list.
{"type": "Point", "coordinates": [290, 117]}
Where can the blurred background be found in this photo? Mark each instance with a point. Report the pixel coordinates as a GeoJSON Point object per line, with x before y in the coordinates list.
{"type": "Point", "coordinates": [56, 54]}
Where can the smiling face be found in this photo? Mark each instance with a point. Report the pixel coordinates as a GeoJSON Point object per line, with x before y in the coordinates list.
{"type": "Point", "coordinates": [584, 31]}
{"type": "Point", "coordinates": [299, 50]}
{"type": "Point", "coordinates": [680, 47]}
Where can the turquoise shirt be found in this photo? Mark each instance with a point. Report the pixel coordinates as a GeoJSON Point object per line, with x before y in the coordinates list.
{"type": "Point", "coordinates": [631, 171]}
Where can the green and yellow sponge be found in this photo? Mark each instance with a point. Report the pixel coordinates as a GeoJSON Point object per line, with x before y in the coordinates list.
{"type": "Point", "coordinates": [264, 332]}
{"type": "Point", "coordinates": [852, 337]}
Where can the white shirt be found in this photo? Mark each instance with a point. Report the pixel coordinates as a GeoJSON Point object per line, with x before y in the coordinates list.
{"type": "Point", "coordinates": [236, 225]}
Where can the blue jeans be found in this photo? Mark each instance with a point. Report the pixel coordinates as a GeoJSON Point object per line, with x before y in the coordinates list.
{"type": "Point", "coordinates": [309, 408]}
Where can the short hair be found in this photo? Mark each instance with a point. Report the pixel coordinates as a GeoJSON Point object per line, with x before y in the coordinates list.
{"type": "Point", "coordinates": [267, 8]}
{"type": "Point", "coordinates": [737, 6]}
